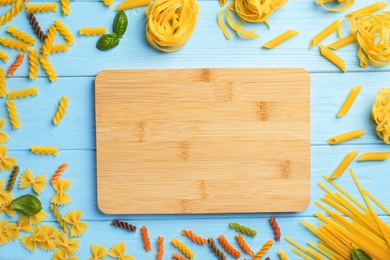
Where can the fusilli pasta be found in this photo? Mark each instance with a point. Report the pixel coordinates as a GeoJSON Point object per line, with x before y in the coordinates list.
{"type": "Point", "coordinates": [145, 239]}
{"type": "Point", "coordinates": [13, 114]}
{"type": "Point", "coordinates": [195, 238]}
{"type": "Point", "coordinates": [263, 250]}
{"type": "Point", "coordinates": [183, 248]}
{"type": "Point", "coordinates": [51, 33]}
{"type": "Point", "coordinates": [33, 61]}
{"type": "Point", "coordinates": [58, 172]}
{"type": "Point", "coordinates": [14, 66]}
{"type": "Point", "coordinates": [3, 83]}
{"type": "Point", "coordinates": [23, 93]}
{"type": "Point", "coordinates": [50, 71]}
{"type": "Point", "coordinates": [228, 247]}
{"type": "Point", "coordinates": [178, 257]}
{"type": "Point", "coordinates": [63, 47]}
{"type": "Point", "coordinates": [13, 12]}
{"type": "Point", "coordinates": [276, 228]}
{"type": "Point", "coordinates": [65, 7]}
{"type": "Point", "coordinates": [92, 31]}
{"type": "Point", "coordinates": [243, 245]}
{"type": "Point", "coordinates": [64, 31]}
{"type": "Point", "coordinates": [215, 249]}
{"type": "Point", "coordinates": [12, 178]}
{"type": "Point", "coordinates": [124, 225]}
{"type": "Point", "coordinates": [4, 56]}
{"type": "Point", "coordinates": [61, 111]}
{"type": "Point", "coordinates": [20, 35]}
{"type": "Point", "coordinates": [41, 8]}
{"type": "Point", "coordinates": [45, 150]}
{"type": "Point", "coordinates": [160, 248]}
{"type": "Point", "coordinates": [35, 25]}
{"type": "Point", "coordinates": [7, 2]}
{"type": "Point", "coordinates": [58, 216]}
{"type": "Point", "coordinates": [243, 229]}
{"type": "Point", "coordinates": [14, 44]}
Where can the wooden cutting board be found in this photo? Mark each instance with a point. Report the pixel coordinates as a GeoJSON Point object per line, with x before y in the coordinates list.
{"type": "Point", "coordinates": [203, 140]}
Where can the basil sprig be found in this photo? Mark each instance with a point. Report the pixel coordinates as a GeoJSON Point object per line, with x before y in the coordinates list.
{"type": "Point", "coordinates": [359, 254]}
{"type": "Point", "coordinates": [109, 41]}
{"type": "Point", "coordinates": [27, 204]}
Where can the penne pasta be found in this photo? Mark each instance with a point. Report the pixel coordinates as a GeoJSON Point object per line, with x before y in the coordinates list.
{"type": "Point", "coordinates": [344, 165]}
{"type": "Point", "coordinates": [349, 101]}
{"type": "Point", "coordinates": [346, 136]}
{"type": "Point", "coordinates": [368, 9]}
{"type": "Point", "coordinates": [333, 57]}
{"type": "Point", "coordinates": [325, 33]}
{"type": "Point", "coordinates": [374, 156]}
{"type": "Point", "coordinates": [280, 39]}
{"type": "Point", "coordinates": [343, 42]}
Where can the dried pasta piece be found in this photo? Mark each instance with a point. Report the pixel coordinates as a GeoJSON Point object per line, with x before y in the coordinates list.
{"type": "Point", "coordinates": [23, 93]}
{"type": "Point", "coordinates": [276, 228]}
{"type": "Point", "coordinates": [46, 47]}
{"type": "Point", "coordinates": [61, 169]}
{"type": "Point", "coordinates": [349, 101]}
{"type": "Point", "coordinates": [170, 23]}
{"type": "Point", "coordinates": [118, 251]}
{"type": "Point", "coordinates": [71, 245]}
{"type": "Point", "coordinates": [299, 253]}
{"type": "Point", "coordinates": [61, 198]}
{"type": "Point", "coordinates": [12, 230]}
{"type": "Point", "coordinates": [222, 25]}
{"type": "Point", "coordinates": [241, 32]}
{"type": "Point", "coordinates": [333, 57]}
{"type": "Point", "coordinates": [346, 136]}
{"type": "Point", "coordinates": [12, 178]}
{"type": "Point", "coordinates": [325, 33]}
{"type": "Point", "coordinates": [108, 2]}
{"type": "Point", "coordinates": [282, 255]}
{"type": "Point", "coordinates": [93, 31]}
{"type": "Point", "coordinates": [343, 42]}
{"type": "Point", "coordinates": [4, 137]}
{"type": "Point", "coordinates": [5, 196]}
{"type": "Point", "coordinates": [13, 114]}
{"type": "Point", "coordinates": [306, 251]}
{"type": "Point", "coordinates": [228, 247]}
{"type": "Point", "coordinates": [41, 8]}
{"type": "Point", "coordinates": [14, 44]}
{"type": "Point", "coordinates": [243, 245]}
{"type": "Point", "coordinates": [6, 163]}
{"type": "Point", "coordinates": [183, 248]}
{"type": "Point", "coordinates": [344, 164]}
{"type": "Point", "coordinates": [263, 250]}
{"type": "Point", "coordinates": [368, 9]}
{"type": "Point", "coordinates": [35, 25]}
{"type": "Point", "coordinates": [4, 239]}
{"type": "Point", "coordinates": [12, 13]}
{"type": "Point", "coordinates": [243, 229]}
{"type": "Point", "coordinates": [60, 254]}
{"type": "Point", "coordinates": [145, 239]}
{"type": "Point", "coordinates": [33, 61]}
{"type": "Point", "coordinates": [160, 248]}
{"type": "Point", "coordinates": [7, 2]}
{"type": "Point", "coordinates": [27, 179]}
{"type": "Point", "coordinates": [64, 31]}
{"type": "Point", "coordinates": [50, 71]}
{"type": "Point", "coordinates": [6, 209]}
{"type": "Point", "coordinates": [14, 66]}
{"type": "Point", "coordinates": [124, 225]}
{"type": "Point", "coordinates": [4, 56]}
{"type": "Point", "coordinates": [65, 7]}
{"type": "Point", "coordinates": [129, 4]}
{"type": "Point", "coordinates": [57, 214]}
{"type": "Point", "coordinates": [380, 113]}
{"type": "Point", "coordinates": [194, 237]}
{"type": "Point", "coordinates": [63, 47]}
{"type": "Point", "coordinates": [345, 4]}
{"type": "Point", "coordinates": [39, 217]}
{"type": "Point", "coordinates": [98, 252]}
{"type": "Point", "coordinates": [218, 253]}
{"type": "Point", "coordinates": [20, 35]}
{"type": "Point", "coordinates": [78, 228]}
{"type": "Point", "coordinates": [374, 156]}
{"type": "Point", "coordinates": [50, 234]}
{"type": "Point", "coordinates": [30, 242]}
{"type": "Point", "coordinates": [3, 83]}
{"type": "Point", "coordinates": [47, 150]}
{"type": "Point", "coordinates": [61, 111]}
{"type": "Point", "coordinates": [280, 39]}
{"type": "Point", "coordinates": [178, 257]}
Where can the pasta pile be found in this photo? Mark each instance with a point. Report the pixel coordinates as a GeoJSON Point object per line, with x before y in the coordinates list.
{"type": "Point", "coordinates": [380, 113]}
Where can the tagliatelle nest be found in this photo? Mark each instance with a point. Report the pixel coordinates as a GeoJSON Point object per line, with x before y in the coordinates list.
{"type": "Point", "coordinates": [381, 114]}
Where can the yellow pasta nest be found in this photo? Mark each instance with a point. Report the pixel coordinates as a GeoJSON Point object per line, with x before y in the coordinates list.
{"type": "Point", "coordinates": [344, 4]}
{"type": "Point", "coordinates": [381, 114]}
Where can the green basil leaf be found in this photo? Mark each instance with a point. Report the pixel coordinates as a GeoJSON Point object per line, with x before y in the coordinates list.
{"type": "Point", "coordinates": [359, 254]}
{"type": "Point", "coordinates": [107, 42]}
{"type": "Point", "coordinates": [27, 204]}
{"type": "Point", "coordinates": [120, 23]}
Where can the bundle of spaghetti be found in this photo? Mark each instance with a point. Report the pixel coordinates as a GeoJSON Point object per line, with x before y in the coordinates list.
{"type": "Point", "coordinates": [170, 23]}
{"type": "Point", "coordinates": [183, 248]}
{"type": "Point", "coordinates": [194, 237]}
{"type": "Point", "coordinates": [14, 66]}
{"type": "Point", "coordinates": [58, 172]}
{"type": "Point", "coordinates": [145, 238]}
{"type": "Point", "coordinates": [160, 248]}
{"type": "Point", "coordinates": [14, 44]}
{"type": "Point", "coordinates": [380, 113]}
{"type": "Point", "coordinates": [228, 247]}
{"type": "Point", "coordinates": [243, 245]}
{"type": "Point", "coordinates": [345, 4]}
{"type": "Point", "coordinates": [348, 224]}
{"type": "Point", "coordinates": [92, 31]}
{"type": "Point", "coordinates": [35, 25]}
{"type": "Point", "coordinates": [12, 13]}
{"type": "Point", "coordinates": [41, 8]}
{"type": "Point", "coordinates": [20, 35]}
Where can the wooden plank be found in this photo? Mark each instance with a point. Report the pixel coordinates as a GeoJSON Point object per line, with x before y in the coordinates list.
{"type": "Point", "coordinates": [166, 142]}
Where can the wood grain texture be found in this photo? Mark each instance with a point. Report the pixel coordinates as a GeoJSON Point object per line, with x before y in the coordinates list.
{"type": "Point", "coordinates": [150, 123]}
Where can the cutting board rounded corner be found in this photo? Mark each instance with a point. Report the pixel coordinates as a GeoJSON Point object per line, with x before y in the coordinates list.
{"type": "Point", "coordinates": [101, 75]}
{"type": "Point", "coordinates": [102, 206]}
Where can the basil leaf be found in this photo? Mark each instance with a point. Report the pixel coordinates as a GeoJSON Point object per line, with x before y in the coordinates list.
{"type": "Point", "coordinates": [120, 23]}
{"type": "Point", "coordinates": [107, 42]}
{"type": "Point", "coordinates": [359, 254]}
{"type": "Point", "coordinates": [27, 204]}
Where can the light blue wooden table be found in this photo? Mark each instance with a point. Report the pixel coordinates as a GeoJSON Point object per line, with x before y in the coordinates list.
{"type": "Point", "coordinates": [207, 47]}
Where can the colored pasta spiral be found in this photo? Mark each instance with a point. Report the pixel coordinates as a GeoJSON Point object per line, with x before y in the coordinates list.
{"type": "Point", "coordinates": [13, 114]}
{"type": "Point", "coordinates": [50, 71]}
{"type": "Point", "coordinates": [3, 83]}
{"type": "Point", "coordinates": [57, 214]}
{"type": "Point", "coordinates": [263, 250]}
{"type": "Point", "coordinates": [65, 7]}
{"type": "Point", "coordinates": [20, 35]}
{"type": "Point", "coordinates": [88, 31]}
{"type": "Point", "coordinates": [276, 228]}
{"type": "Point", "coordinates": [63, 47]}
{"type": "Point", "coordinates": [35, 25]}
{"type": "Point", "coordinates": [12, 178]}
{"type": "Point", "coordinates": [4, 56]}
{"type": "Point", "coordinates": [215, 249]}
{"type": "Point", "coordinates": [64, 31]}
{"type": "Point", "coordinates": [124, 225]}
{"type": "Point", "coordinates": [23, 93]}
{"type": "Point", "coordinates": [160, 248]}
{"type": "Point", "coordinates": [14, 44]}
{"type": "Point", "coordinates": [170, 23]}
{"type": "Point", "coordinates": [228, 247]}
{"type": "Point", "coordinates": [145, 239]}
{"type": "Point", "coordinates": [195, 238]}
{"type": "Point", "coordinates": [41, 8]}
{"type": "Point", "coordinates": [51, 33]}
{"type": "Point", "coordinates": [33, 61]}
{"type": "Point", "coordinates": [44, 150]}
{"type": "Point", "coordinates": [58, 172]}
{"type": "Point", "coordinates": [13, 12]}
{"type": "Point", "coordinates": [243, 229]}
{"type": "Point", "coordinates": [61, 111]}
{"type": "Point", "coordinates": [7, 2]}
{"type": "Point", "coordinates": [243, 245]}
{"type": "Point", "coordinates": [14, 66]}
{"type": "Point", "coordinates": [183, 248]}
{"type": "Point", "coordinates": [282, 255]}
{"type": "Point", "coordinates": [178, 257]}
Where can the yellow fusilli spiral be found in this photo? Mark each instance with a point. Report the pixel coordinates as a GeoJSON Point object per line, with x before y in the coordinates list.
{"type": "Point", "coordinates": [33, 61]}
{"type": "Point", "coordinates": [49, 40]}
{"type": "Point", "coordinates": [7, 2]}
{"type": "Point", "coordinates": [263, 250]}
{"type": "Point", "coordinates": [41, 8]}
{"type": "Point", "coordinates": [183, 248]}
{"type": "Point", "coordinates": [3, 83]}
{"type": "Point", "coordinates": [45, 150]}
{"type": "Point", "coordinates": [20, 35]}
{"type": "Point", "coordinates": [63, 47]}
{"type": "Point", "coordinates": [4, 56]}
{"type": "Point", "coordinates": [88, 31]}
{"type": "Point", "coordinates": [13, 114]}
{"type": "Point", "coordinates": [65, 7]}
{"type": "Point", "coordinates": [14, 11]}
{"type": "Point", "coordinates": [282, 255]}
{"type": "Point", "coordinates": [50, 71]}
{"type": "Point", "coordinates": [58, 216]}
{"type": "Point", "coordinates": [61, 111]}
{"type": "Point", "coordinates": [108, 2]}
{"type": "Point", "coordinates": [14, 44]}
{"type": "Point", "coordinates": [23, 93]}
{"type": "Point", "coordinates": [64, 31]}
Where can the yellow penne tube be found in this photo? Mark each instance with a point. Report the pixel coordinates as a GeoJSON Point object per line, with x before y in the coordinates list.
{"type": "Point", "coordinates": [325, 33]}
{"type": "Point", "coordinates": [333, 57]}
{"type": "Point", "coordinates": [349, 101]}
{"type": "Point", "coordinates": [374, 156]}
{"type": "Point", "coordinates": [343, 42]}
{"type": "Point", "coordinates": [346, 136]}
{"type": "Point", "coordinates": [368, 9]}
{"type": "Point", "coordinates": [344, 164]}
{"type": "Point", "coordinates": [133, 4]}
{"type": "Point", "coordinates": [280, 39]}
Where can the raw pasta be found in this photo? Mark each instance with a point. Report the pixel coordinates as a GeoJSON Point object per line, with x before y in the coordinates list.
{"type": "Point", "coordinates": [20, 35]}
{"type": "Point", "coordinates": [61, 198]}
{"type": "Point", "coordinates": [30, 242]}
{"type": "Point", "coordinates": [23, 93]}
{"type": "Point", "coordinates": [243, 229]}
{"type": "Point", "coordinates": [58, 216]}
{"type": "Point", "coordinates": [5, 196]}
{"type": "Point", "coordinates": [325, 33]}
{"type": "Point", "coordinates": [6, 209]}
{"type": "Point", "coordinates": [243, 245]}
{"type": "Point", "coordinates": [70, 245]}
{"type": "Point", "coordinates": [170, 23]}
{"type": "Point", "coordinates": [343, 42]}
{"type": "Point", "coordinates": [282, 255]}
{"type": "Point", "coordinates": [349, 101]}
{"type": "Point", "coordinates": [4, 137]}
{"type": "Point", "coordinates": [35, 25]}
{"type": "Point", "coordinates": [39, 217]}
{"type": "Point", "coordinates": [306, 251]}
{"type": "Point", "coordinates": [46, 47]}
{"type": "Point", "coordinates": [61, 254]}
{"type": "Point", "coordinates": [14, 44]}
{"type": "Point", "coordinates": [65, 7]}
{"type": "Point", "coordinates": [64, 31]}
{"type": "Point", "coordinates": [346, 136]}
{"type": "Point", "coordinates": [223, 26]}
{"type": "Point", "coordinates": [183, 248]}
{"type": "Point", "coordinates": [218, 253]}
{"type": "Point", "coordinates": [160, 248]}
{"type": "Point", "coordinates": [61, 111]}
{"type": "Point", "coordinates": [124, 225]}
{"type": "Point", "coordinates": [374, 156]}
{"type": "Point", "coordinates": [33, 61]}
{"type": "Point", "coordinates": [228, 247]}
{"type": "Point", "coordinates": [98, 252]}
{"type": "Point", "coordinates": [13, 114]}
{"type": "Point", "coordinates": [275, 228]}
{"type": "Point", "coordinates": [145, 239]}
{"type": "Point", "coordinates": [195, 238]}
{"type": "Point", "coordinates": [73, 218]}
{"type": "Point", "coordinates": [3, 83]}
{"type": "Point", "coordinates": [27, 179]}
{"type": "Point", "coordinates": [333, 57]}
{"type": "Point", "coordinates": [49, 150]}
{"type": "Point", "coordinates": [12, 178]}
{"type": "Point", "coordinates": [63, 47]}
{"type": "Point", "coordinates": [93, 31]}
{"type": "Point", "coordinates": [4, 56]}
{"type": "Point", "coordinates": [12, 13]}
{"type": "Point", "coordinates": [50, 234]}
{"type": "Point", "coordinates": [380, 113]}
{"type": "Point", "coordinates": [344, 164]}
{"type": "Point", "coordinates": [14, 66]}
{"type": "Point", "coordinates": [368, 9]}
{"type": "Point", "coordinates": [108, 2]}
{"type": "Point", "coordinates": [118, 251]}
{"type": "Point", "coordinates": [7, 2]}
{"type": "Point", "coordinates": [12, 230]}
{"type": "Point", "coordinates": [61, 169]}
{"type": "Point", "coordinates": [6, 163]}
{"type": "Point", "coordinates": [50, 71]}
{"type": "Point", "coordinates": [41, 8]}
{"type": "Point", "coordinates": [4, 239]}
{"type": "Point", "coordinates": [263, 250]}
{"type": "Point", "coordinates": [129, 4]}
{"type": "Point", "coordinates": [345, 4]}
{"type": "Point", "coordinates": [280, 39]}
